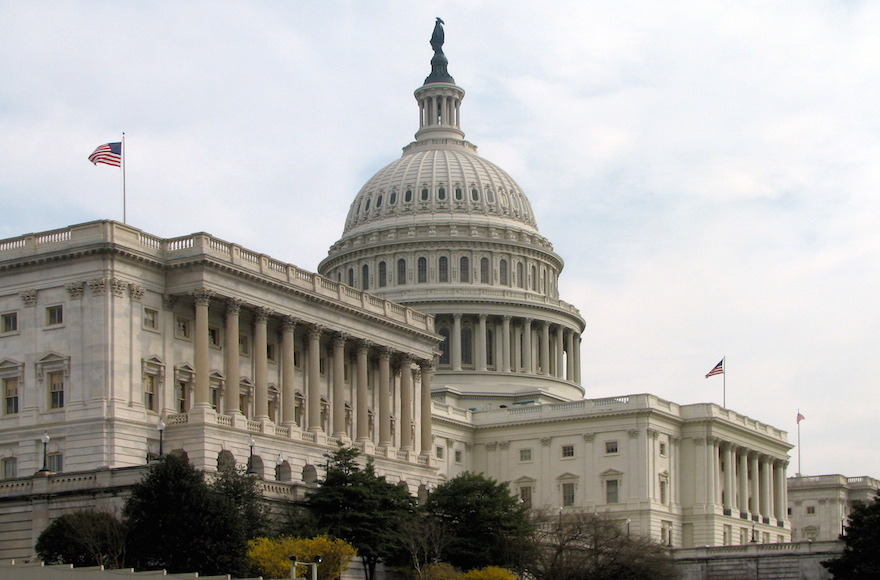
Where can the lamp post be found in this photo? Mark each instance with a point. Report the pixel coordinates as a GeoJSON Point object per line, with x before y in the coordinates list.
{"type": "Point", "coordinates": [250, 469]}
{"type": "Point", "coordinates": [314, 565]}
{"type": "Point", "coordinates": [45, 439]}
{"type": "Point", "coordinates": [628, 522]}
{"type": "Point", "coordinates": [754, 535]}
{"type": "Point", "coordinates": [161, 428]}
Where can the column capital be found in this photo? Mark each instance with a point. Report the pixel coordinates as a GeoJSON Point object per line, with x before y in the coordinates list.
{"type": "Point", "coordinates": [483, 316]}
{"type": "Point", "coordinates": [546, 324]}
{"type": "Point", "coordinates": [289, 322]}
{"type": "Point", "coordinates": [315, 330]}
{"type": "Point", "coordinates": [506, 317]}
{"type": "Point", "coordinates": [457, 316]}
{"type": "Point", "coordinates": [339, 338]}
{"type": "Point", "coordinates": [233, 305]}
{"type": "Point", "coordinates": [262, 314]}
{"type": "Point", "coordinates": [384, 353]}
{"type": "Point", "coordinates": [201, 296]}
{"type": "Point", "coordinates": [528, 321]}
{"type": "Point", "coordinates": [364, 345]}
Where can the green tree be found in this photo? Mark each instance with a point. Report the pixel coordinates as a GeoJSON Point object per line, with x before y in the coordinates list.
{"type": "Point", "coordinates": [861, 552]}
{"type": "Point", "coordinates": [590, 546]}
{"type": "Point", "coordinates": [83, 538]}
{"type": "Point", "coordinates": [486, 524]}
{"type": "Point", "coordinates": [355, 504]}
{"type": "Point", "coordinates": [178, 522]}
{"type": "Point", "coordinates": [246, 495]}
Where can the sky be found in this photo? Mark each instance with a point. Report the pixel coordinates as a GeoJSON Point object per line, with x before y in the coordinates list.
{"type": "Point", "coordinates": [708, 170]}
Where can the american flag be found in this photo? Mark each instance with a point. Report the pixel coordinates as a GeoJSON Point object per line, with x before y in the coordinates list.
{"type": "Point", "coordinates": [108, 154]}
{"type": "Point", "coordinates": [800, 417]}
{"type": "Point", "coordinates": [717, 369]}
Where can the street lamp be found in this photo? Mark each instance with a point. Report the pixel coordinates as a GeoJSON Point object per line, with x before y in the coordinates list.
{"type": "Point", "coordinates": [628, 522]}
{"type": "Point", "coordinates": [314, 565]}
{"type": "Point", "coordinates": [161, 428]}
{"type": "Point", "coordinates": [754, 535]}
{"type": "Point", "coordinates": [251, 443]}
{"type": "Point", "coordinates": [45, 439]}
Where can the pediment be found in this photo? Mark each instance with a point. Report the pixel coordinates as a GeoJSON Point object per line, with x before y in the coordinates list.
{"type": "Point", "coordinates": [610, 473]}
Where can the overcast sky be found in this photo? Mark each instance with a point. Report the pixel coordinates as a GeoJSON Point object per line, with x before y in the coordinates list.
{"type": "Point", "coordinates": [709, 171]}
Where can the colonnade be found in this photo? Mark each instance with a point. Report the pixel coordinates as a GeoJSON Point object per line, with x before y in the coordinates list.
{"type": "Point", "coordinates": [512, 344]}
{"type": "Point", "coordinates": [312, 389]}
{"type": "Point", "coordinates": [748, 484]}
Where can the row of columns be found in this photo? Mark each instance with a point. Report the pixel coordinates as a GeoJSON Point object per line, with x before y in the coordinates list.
{"type": "Point", "coordinates": [440, 110]}
{"type": "Point", "coordinates": [312, 390]}
{"type": "Point", "coordinates": [764, 494]}
{"type": "Point", "coordinates": [516, 354]}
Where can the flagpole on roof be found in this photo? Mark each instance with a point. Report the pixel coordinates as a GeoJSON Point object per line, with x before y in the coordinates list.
{"type": "Point", "coordinates": [799, 419]}
{"type": "Point", "coordinates": [123, 181]}
{"type": "Point", "coordinates": [723, 367]}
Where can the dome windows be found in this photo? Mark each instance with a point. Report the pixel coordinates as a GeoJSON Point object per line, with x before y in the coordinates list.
{"type": "Point", "coordinates": [464, 269]}
{"type": "Point", "coordinates": [443, 268]}
{"type": "Point", "coordinates": [407, 197]}
{"type": "Point", "coordinates": [475, 194]}
{"type": "Point", "coordinates": [441, 194]}
{"type": "Point", "coordinates": [426, 193]}
{"type": "Point", "coordinates": [459, 194]}
{"type": "Point", "coordinates": [367, 206]}
{"type": "Point", "coordinates": [401, 272]}
{"type": "Point", "coordinates": [393, 199]}
{"type": "Point", "coordinates": [490, 196]}
{"type": "Point", "coordinates": [379, 201]}
{"type": "Point", "coordinates": [422, 270]}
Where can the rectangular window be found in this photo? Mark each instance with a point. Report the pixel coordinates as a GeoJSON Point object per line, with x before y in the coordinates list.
{"type": "Point", "coordinates": [297, 359]}
{"type": "Point", "coordinates": [54, 315]}
{"type": "Point", "coordinates": [610, 447]}
{"type": "Point", "coordinates": [270, 351]}
{"type": "Point", "coordinates": [611, 491]}
{"type": "Point", "coordinates": [525, 454]}
{"type": "Point", "coordinates": [215, 398]}
{"type": "Point", "coordinates": [244, 345]}
{"type": "Point", "coordinates": [525, 496]}
{"type": "Point", "coordinates": [56, 390]}
{"type": "Point", "coordinates": [180, 396]}
{"type": "Point", "coordinates": [662, 449]}
{"type": "Point", "coordinates": [55, 462]}
{"type": "Point", "coordinates": [811, 510]}
{"type": "Point", "coordinates": [181, 328]}
{"type": "Point", "coordinates": [663, 484]}
{"type": "Point", "coordinates": [322, 365]}
{"type": "Point", "coordinates": [151, 318]}
{"type": "Point", "coordinates": [9, 322]}
{"type": "Point", "coordinates": [150, 392]}
{"type": "Point", "coordinates": [439, 452]}
{"type": "Point", "coordinates": [568, 494]}
{"type": "Point", "coordinates": [214, 337]}
{"type": "Point", "coordinates": [568, 450]}
{"type": "Point", "coordinates": [458, 455]}
{"type": "Point", "coordinates": [10, 468]}
{"type": "Point", "coordinates": [10, 395]}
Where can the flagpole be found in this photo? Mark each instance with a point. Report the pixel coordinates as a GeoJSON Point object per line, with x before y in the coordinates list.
{"type": "Point", "coordinates": [724, 381]}
{"type": "Point", "coordinates": [123, 180]}
{"type": "Point", "coordinates": [799, 444]}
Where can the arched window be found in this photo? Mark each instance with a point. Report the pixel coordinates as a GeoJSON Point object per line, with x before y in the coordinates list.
{"type": "Point", "coordinates": [534, 279]}
{"type": "Point", "coordinates": [441, 193]}
{"type": "Point", "coordinates": [520, 275]}
{"type": "Point", "coordinates": [490, 196]}
{"type": "Point", "coordinates": [490, 347]}
{"type": "Point", "coordinates": [382, 274]}
{"type": "Point", "coordinates": [407, 197]}
{"type": "Point", "coordinates": [367, 206]}
{"type": "Point", "coordinates": [444, 345]}
{"type": "Point", "coordinates": [459, 194]}
{"type": "Point", "coordinates": [423, 270]}
{"type": "Point", "coordinates": [351, 276]}
{"type": "Point", "coordinates": [365, 277]}
{"type": "Point", "coordinates": [443, 267]}
{"type": "Point", "coordinates": [401, 272]}
{"type": "Point", "coordinates": [484, 270]}
{"type": "Point", "coordinates": [464, 269]}
{"type": "Point", "coordinates": [425, 194]}
{"type": "Point", "coordinates": [393, 199]}
{"type": "Point", "coordinates": [475, 194]}
{"type": "Point", "coordinates": [502, 271]}
{"type": "Point", "coordinates": [467, 346]}
{"type": "Point", "coordinates": [378, 202]}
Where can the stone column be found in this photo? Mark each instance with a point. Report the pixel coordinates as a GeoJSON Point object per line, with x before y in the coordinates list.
{"type": "Point", "coordinates": [406, 404]}
{"type": "Point", "coordinates": [779, 490]}
{"type": "Point", "coordinates": [384, 397]}
{"type": "Point", "coordinates": [569, 347]}
{"type": "Point", "coordinates": [743, 486]}
{"type": "Point", "coordinates": [202, 298]}
{"type": "Point", "coordinates": [545, 347]}
{"type": "Point", "coordinates": [755, 493]}
{"type": "Point", "coordinates": [288, 371]}
{"type": "Point", "coordinates": [314, 387]}
{"type": "Point", "coordinates": [363, 412]}
{"type": "Point", "coordinates": [729, 479]}
{"type": "Point", "coordinates": [765, 487]}
{"type": "Point", "coordinates": [527, 346]}
{"type": "Point", "coordinates": [711, 472]}
{"type": "Point", "coordinates": [505, 344]}
{"type": "Point", "coordinates": [560, 332]}
{"type": "Point", "coordinates": [456, 342]}
{"type": "Point", "coordinates": [231, 365]}
{"type": "Point", "coordinates": [481, 342]}
{"type": "Point", "coordinates": [427, 448]}
{"type": "Point", "coordinates": [577, 358]}
{"type": "Point", "coordinates": [261, 364]}
{"type": "Point", "coordinates": [339, 386]}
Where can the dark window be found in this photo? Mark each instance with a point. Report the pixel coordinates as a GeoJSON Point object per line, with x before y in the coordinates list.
{"type": "Point", "coordinates": [365, 277]}
{"type": "Point", "coordinates": [464, 267]}
{"type": "Point", "coordinates": [423, 270]}
{"type": "Point", "coordinates": [443, 267]}
{"type": "Point", "coordinates": [475, 194]}
{"type": "Point", "coordinates": [502, 268]}
{"type": "Point", "coordinates": [467, 350]}
{"type": "Point", "coordinates": [441, 193]}
{"type": "Point", "coordinates": [425, 194]}
{"type": "Point", "coordinates": [444, 346]}
{"type": "Point", "coordinates": [407, 197]}
{"type": "Point", "coordinates": [393, 199]}
{"type": "Point", "coordinates": [382, 274]}
{"type": "Point", "coordinates": [401, 272]}
{"type": "Point", "coordinates": [484, 270]}
{"type": "Point", "coordinates": [459, 194]}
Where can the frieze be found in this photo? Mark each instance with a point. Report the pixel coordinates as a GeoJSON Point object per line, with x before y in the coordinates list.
{"type": "Point", "coordinates": [75, 290]}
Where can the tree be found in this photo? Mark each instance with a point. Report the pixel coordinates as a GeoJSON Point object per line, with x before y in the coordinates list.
{"type": "Point", "coordinates": [177, 522]}
{"type": "Point", "coordinates": [245, 494]}
{"type": "Point", "coordinates": [84, 538]}
{"type": "Point", "coordinates": [424, 539]}
{"type": "Point", "coordinates": [589, 546]}
{"type": "Point", "coordinates": [271, 557]}
{"type": "Point", "coordinates": [487, 525]}
{"type": "Point", "coordinates": [861, 552]}
{"type": "Point", "coordinates": [355, 504]}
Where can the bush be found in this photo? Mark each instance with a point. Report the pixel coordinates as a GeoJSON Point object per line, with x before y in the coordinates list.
{"type": "Point", "coordinates": [83, 538]}
{"type": "Point", "coordinates": [489, 573]}
{"type": "Point", "coordinates": [270, 558]}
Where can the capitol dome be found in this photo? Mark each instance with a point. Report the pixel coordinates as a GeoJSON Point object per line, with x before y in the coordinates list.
{"type": "Point", "coordinates": [452, 234]}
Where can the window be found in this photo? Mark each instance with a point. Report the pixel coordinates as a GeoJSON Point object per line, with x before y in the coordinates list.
{"type": "Point", "coordinates": [365, 277]}
{"type": "Point", "coordinates": [520, 275]}
{"type": "Point", "coordinates": [270, 351]}
{"type": "Point", "coordinates": [10, 395]}
{"type": "Point", "coordinates": [56, 390]}
{"type": "Point", "coordinates": [425, 194]}
{"type": "Point", "coordinates": [181, 328]}
{"type": "Point", "coordinates": [55, 462]}
{"type": "Point", "coordinates": [180, 392]}
{"type": "Point", "coordinates": [502, 271]}
{"type": "Point", "coordinates": [423, 270]}
{"type": "Point", "coordinates": [244, 345]}
{"type": "Point", "coordinates": [475, 194]}
{"type": "Point", "coordinates": [10, 467]}
{"type": "Point", "coordinates": [467, 351]}
{"type": "Point", "coordinates": [441, 193]}
{"type": "Point", "coordinates": [9, 322]}
{"type": "Point", "coordinates": [378, 202]}
{"type": "Point", "coordinates": [54, 315]}
{"type": "Point", "coordinates": [464, 267]}
{"type": "Point", "coordinates": [568, 494]}
{"type": "Point", "coordinates": [214, 337]}
{"type": "Point", "coordinates": [367, 205]}
{"type": "Point", "coordinates": [351, 277]}
{"type": "Point", "coordinates": [401, 272]}
{"type": "Point", "coordinates": [484, 270]}
{"type": "Point", "coordinates": [407, 197]}
{"type": "Point", "coordinates": [458, 455]}
{"type": "Point", "coordinates": [490, 196]}
{"type": "Point", "coordinates": [459, 194]}
{"type": "Point", "coordinates": [150, 392]}
{"type": "Point", "coordinates": [444, 346]}
{"type": "Point", "coordinates": [662, 449]}
{"type": "Point", "coordinates": [610, 447]}
{"type": "Point", "coordinates": [663, 486]}
{"type": "Point", "coordinates": [439, 452]}
{"type": "Point", "coordinates": [525, 454]}
{"type": "Point", "coordinates": [534, 279]}
{"type": "Point", "coordinates": [611, 490]}
{"type": "Point", "coordinates": [393, 199]}
{"type": "Point", "coordinates": [811, 510]}
{"type": "Point", "coordinates": [525, 496]}
{"type": "Point", "coordinates": [568, 450]}
{"type": "Point", "coordinates": [443, 267]}
{"type": "Point", "coordinates": [151, 318]}
{"type": "Point", "coordinates": [382, 274]}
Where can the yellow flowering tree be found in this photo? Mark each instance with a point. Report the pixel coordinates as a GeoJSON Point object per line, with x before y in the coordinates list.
{"type": "Point", "coordinates": [489, 573]}
{"type": "Point", "coordinates": [271, 557]}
